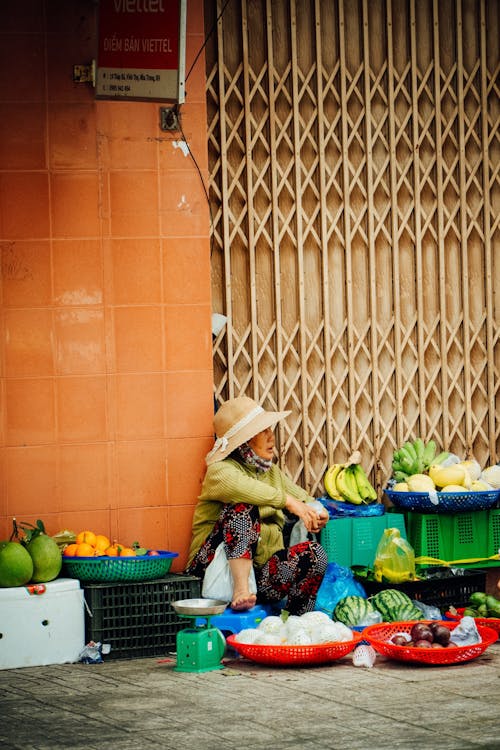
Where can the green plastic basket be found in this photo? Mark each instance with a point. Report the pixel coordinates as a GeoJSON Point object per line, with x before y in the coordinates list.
{"type": "Point", "coordinates": [104, 568]}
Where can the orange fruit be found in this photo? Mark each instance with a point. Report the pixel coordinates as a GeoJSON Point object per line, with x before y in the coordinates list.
{"type": "Point", "coordinates": [101, 543]}
{"type": "Point", "coordinates": [84, 550]}
{"type": "Point", "coordinates": [70, 550]}
{"type": "Point", "coordinates": [111, 551]}
{"type": "Point", "coordinates": [87, 537]}
{"type": "Point", "coordinates": [127, 552]}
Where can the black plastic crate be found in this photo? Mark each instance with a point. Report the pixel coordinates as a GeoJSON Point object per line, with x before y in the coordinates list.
{"type": "Point", "coordinates": [137, 619]}
{"type": "Point", "coordinates": [443, 589]}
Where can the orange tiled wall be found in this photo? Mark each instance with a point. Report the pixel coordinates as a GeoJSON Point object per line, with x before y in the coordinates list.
{"type": "Point", "coordinates": [106, 387]}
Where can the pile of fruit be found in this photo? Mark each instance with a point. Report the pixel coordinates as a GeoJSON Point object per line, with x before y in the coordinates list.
{"type": "Point", "coordinates": [29, 556]}
{"type": "Point", "coordinates": [349, 482]}
{"type": "Point", "coordinates": [482, 605]}
{"type": "Point", "coordinates": [425, 635]}
{"type": "Point", "coordinates": [89, 544]}
{"type": "Point", "coordinates": [311, 628]}
{"type": "Point", "coordinates": [417, 468]}
{"type": "Point", "coordinates": [392, 604]}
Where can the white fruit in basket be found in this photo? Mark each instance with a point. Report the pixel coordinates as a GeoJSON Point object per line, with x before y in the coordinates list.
{"type": "Point", "coordinates": [293, 624]}
{"type": "Point", "coordinates": [491, 475]}
{"type": "Point", "coordinates": [247, 635]}
{"type": "Point", "coordinates": [299, 638]}
{"type": "Point", "coordinates": [268, 639]}
{"type": "Point", "coordinates": [344, 633]}
{"type": "Point", "coordinates": [325, 634]}
{"type": "Point", "coordinates": [311, 620]}
{"type": "Point", "coordinates": [420, 483]}
{"type": "Point", "coordinates": [271, 624]}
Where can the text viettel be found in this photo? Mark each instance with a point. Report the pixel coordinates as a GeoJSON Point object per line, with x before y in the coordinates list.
{"type": "Point", "coordinates": [139, 6]}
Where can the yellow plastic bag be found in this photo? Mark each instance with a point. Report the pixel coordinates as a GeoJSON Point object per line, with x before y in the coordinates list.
{"type": "Point", "coordinates": [394, 558]}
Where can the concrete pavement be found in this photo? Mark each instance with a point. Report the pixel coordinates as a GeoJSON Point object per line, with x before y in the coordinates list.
{"type": "Point", "coordinates": [143, 704]}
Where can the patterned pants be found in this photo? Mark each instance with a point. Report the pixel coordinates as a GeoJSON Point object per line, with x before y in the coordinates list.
{"type": "Point", "coordinates": [295, 573]}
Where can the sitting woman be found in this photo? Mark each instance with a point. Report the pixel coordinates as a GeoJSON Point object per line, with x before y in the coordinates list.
{"type": "Point", "coordinates": [242, 503]}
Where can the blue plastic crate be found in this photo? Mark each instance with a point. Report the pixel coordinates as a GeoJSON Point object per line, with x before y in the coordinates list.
{"type": "Point", "coordinates": [231, 621]}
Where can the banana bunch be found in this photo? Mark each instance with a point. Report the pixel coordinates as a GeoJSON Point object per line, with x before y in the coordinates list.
{"type": "Point", "coordinates": [415, 458]}
{"type": "Point", "coordinates": [349, 483]}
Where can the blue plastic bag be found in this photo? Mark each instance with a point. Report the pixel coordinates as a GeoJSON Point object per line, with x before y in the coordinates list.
{"type": "Point", "coordinates": [337, 583]}
{"type": "Point", "coordinates": [338, 509]}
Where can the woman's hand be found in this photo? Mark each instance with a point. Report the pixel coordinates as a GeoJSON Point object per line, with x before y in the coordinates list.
{"type": "Point", "coordinates": [312, 520]}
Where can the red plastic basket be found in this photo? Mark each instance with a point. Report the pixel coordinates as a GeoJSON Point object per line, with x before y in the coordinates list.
{"type": "Point", "coordinates": [294, 656]}
{"type": "Point", "coordinates": [378, 636]}
{"type": "Point", "coordinates": [485, 622]}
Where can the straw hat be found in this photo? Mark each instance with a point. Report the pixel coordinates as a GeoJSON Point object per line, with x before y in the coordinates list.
{"type": "Point", "coordinates": [238, 420]}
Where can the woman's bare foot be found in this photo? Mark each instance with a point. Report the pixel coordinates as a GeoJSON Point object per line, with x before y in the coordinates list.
{"type": "Point", "coordinates": [243, 600]}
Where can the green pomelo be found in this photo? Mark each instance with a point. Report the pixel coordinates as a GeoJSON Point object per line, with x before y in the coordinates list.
{"type": "Point", "coordinates": [47, 558]}
{"type": "Point", "coordinates": [16, 565]}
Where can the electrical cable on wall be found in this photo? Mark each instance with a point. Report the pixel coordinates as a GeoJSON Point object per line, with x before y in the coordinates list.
{"type": "Point", "coordinates": [202, 183]}
{"type": "Point", "coordinates": [212, 233]}
{"type": "Point", "coordinates": [205, 190]}
{"type": "Point", "coordinates": [206, 39]}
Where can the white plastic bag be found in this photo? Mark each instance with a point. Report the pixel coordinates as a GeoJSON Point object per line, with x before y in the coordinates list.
{"type": "Point", "coordinates": [218, 581]}
{"type": "Point", "coordinates": [466, 632]}
{"type": "Point", "coordinates": [299, 532]}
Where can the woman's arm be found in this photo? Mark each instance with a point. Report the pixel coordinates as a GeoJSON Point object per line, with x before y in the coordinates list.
{"type": "Point", "coordinates": [298, 502]}
{"type": "Point", "coordinates": [227, 482]}
{"type": "Point", "coordinates": [312, 520]}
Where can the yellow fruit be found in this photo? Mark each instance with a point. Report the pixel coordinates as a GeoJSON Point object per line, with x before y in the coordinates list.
{"type": "Point", "coordinates": [126, 552]}
{"type": "Point", "coordinates": [83, 549]}
{"type": "Point", "coordinates": [401, 487]}
{"type": "Point", "coordinates": [444, 475]}
{"type": "Point", "coordinates": [479, 486]}
{"type": "Point", "coordinates": [453, 488]}
{"type": "Point", "coordinates": [86, 537]}
{"type": "Point", "coordinates": [420, 483]}
{"type": "Point", "coordinates": [473, 467]}
{"type": "Point", "coordinates": [101, 543]}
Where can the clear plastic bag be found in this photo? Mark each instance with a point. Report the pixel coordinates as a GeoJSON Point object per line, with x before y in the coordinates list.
{"type": "Point", "coordinates": [394, 558]}
{"type": "Point", "coordinates": [429, 611]}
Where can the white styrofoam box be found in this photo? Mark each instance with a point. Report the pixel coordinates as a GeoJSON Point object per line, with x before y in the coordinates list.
{"type": "Point", "coordinates": [41, 628]}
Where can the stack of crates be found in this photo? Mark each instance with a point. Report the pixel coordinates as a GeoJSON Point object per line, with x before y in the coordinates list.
{"type": "Point", "coordinates": [137, 619]}
{"type": "Point", "coordinates": [456, 536]}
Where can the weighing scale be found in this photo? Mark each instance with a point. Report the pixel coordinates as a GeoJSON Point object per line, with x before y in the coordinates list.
{"type": "Point", "coordinates": [199, 648]}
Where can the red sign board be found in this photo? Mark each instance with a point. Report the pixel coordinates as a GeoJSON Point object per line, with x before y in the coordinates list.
{"type": "Point", "coordinates": [141, 51]}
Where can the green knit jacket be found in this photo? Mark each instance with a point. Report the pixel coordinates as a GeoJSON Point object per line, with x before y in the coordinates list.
{"type": "Point", "coordinates": [228, 481]}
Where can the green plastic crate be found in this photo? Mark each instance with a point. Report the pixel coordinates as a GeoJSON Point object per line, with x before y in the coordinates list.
{"type": "Point", "coordinates": [494, 531]}
{"type": "Point", "coordinates": [459, 536]}
{"type": "Point", "coordinates": [354, 541]}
